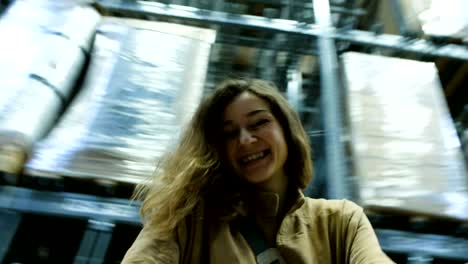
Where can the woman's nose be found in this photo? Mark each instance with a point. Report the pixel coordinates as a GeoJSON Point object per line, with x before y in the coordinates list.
{"type": "Point", "coordinates": [246, 137]}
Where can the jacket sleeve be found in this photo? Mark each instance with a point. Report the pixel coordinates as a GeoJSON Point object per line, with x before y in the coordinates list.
{"type": "Point", "coordinates": [147, 248]}
{"type": "Point", "coordinates": [362, 244]}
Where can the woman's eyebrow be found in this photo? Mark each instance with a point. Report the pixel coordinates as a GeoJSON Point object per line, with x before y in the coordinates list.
{"type": "Point", "coordinates": [254, 112]}
{"type": "Point", "coordinates": [249, 114]}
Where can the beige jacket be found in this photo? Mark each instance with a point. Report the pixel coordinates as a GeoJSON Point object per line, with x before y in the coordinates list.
{"type": "Point", "coordinates": [313, 231]}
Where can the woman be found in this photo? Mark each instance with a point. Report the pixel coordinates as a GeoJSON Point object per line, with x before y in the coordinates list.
{"type": "Point", "coordinates": [231, 191]}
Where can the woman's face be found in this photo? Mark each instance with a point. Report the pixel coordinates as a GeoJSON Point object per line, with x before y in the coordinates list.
{"type": "Point", "coordinates": [254, 141]}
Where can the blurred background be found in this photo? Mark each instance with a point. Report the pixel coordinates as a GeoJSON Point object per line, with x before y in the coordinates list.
{"type": "Point", "coordinates": [93, 92]}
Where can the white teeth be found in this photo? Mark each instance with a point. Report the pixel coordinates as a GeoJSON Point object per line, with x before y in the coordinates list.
{"type": "Point", "coordinates": [253, 156]}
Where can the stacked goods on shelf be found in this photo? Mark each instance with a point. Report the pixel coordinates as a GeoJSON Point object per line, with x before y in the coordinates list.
{"type": "Point", "coordinates": [144, 81]}
{"type": "Point", "coordinates": [42, 53]}
{"type": "Point", "coordinates": [406, 150]}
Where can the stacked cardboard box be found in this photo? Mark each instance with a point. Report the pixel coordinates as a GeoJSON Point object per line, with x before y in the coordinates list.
{"type": "Point", "coordinates": [144, 81]}
{"type": "Point", "coordinates": [41, 58]}
{"type": "Point", "coordinates": [406, 150]}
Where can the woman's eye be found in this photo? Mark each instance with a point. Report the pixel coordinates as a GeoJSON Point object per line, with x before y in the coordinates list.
{"type": "Point", "coordinates": [259, 123]}
{"type": "Point", "coordinates": [230, 134]}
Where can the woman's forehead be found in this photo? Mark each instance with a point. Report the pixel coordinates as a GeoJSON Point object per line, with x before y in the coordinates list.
{"type": "Point", "coordinates": [245, 105]}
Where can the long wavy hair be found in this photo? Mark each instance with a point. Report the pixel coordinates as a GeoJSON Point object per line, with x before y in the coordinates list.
{"type": "Point", "coordinates": [195, 171]}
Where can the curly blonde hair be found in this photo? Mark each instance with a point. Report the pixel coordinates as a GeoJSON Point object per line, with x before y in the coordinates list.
{"type": "Point", "coordinates": [195, 170]}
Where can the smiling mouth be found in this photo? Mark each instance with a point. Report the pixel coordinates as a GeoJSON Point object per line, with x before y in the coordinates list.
{"type": "Point", "coordinates": [246, 160]}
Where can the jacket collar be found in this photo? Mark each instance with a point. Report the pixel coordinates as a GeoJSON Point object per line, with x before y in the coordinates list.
{"type": "Point", "coordinates": [266, 204]}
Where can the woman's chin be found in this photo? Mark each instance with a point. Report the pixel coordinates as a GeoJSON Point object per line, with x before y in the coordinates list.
{"type": "Point", "coordinates": [258, 180]}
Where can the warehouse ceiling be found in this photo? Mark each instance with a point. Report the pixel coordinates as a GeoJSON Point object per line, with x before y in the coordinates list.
{"type": "Point", "coordinates": [251, 52]}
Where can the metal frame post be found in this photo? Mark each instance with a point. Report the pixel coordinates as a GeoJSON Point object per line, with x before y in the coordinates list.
{"type": "Point", "coordinates": [398, 17]}
{"type": "Point", "coordinates": [96, 241]}
{"type": "Point", "coordinates": [330, 100]}
{"type": "Point", "coordinates": [9, 223]}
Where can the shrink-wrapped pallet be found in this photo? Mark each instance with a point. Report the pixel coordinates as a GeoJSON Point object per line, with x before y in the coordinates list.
{"type": "Point", "coordinates": [144, 81]}
{"type": "Point", "coordinates": [42, 53]}
{"type": "Point", "coordinates": [406, 150]}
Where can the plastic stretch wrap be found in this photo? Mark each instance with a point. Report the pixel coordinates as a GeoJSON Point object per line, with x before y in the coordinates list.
{"type": "Point", "coordinates": [41, 58]}
{"type": "Point", "coordinates": [463, 131]}
{"type": "Point", "coordinates": [442, 19]}
{"type": "Point", "coordinates": [144, 82]}
{"type": "Point", "coordinates": [406, 149]}
{"type": "Point", "coordinates": [74, 20]}
{"type": "Point", "coordinates": [465, 143]}
{"type": "Point", "coordinates": [436, 17]}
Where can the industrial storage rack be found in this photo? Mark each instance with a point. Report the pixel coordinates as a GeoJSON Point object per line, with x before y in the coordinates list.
{"type": "Point", "coordinates": [326, 30]}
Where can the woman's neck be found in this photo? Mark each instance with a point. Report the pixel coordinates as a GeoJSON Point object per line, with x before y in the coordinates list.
{"type": "Point", "coordinates": [268, 207]}
{"type": "Point", "coordinates": [278, 185]}
{"type": "Point", "coordinates": [269, 198]}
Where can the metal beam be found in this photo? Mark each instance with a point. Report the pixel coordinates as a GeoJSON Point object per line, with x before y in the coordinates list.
{"type": "Point", "coordinates": [266, 44]}
{"type": "Point", "coordinates": [206, 16]}
{"type": "Point", "coordinates": [69, 205]}
{"type": "Point", "coordinates": [394, 42]}
{"type": "Point", "coordinates": [410, 45]}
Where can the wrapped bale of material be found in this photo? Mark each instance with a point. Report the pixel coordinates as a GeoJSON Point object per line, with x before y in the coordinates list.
{"type": "Point", "coordinates": [406, 150]}
{"type": "Point", "coordinates": [41, 58]}
{"type": "Point", "coordinates": [144, 81]}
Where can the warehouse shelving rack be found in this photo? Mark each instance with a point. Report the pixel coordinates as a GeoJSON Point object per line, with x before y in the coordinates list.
{"type": "Point", "coordinates": [325, 30]}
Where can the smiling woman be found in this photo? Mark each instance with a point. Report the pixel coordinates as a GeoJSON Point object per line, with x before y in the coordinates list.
{"type": "Point", "coordinates": [255, 146]}
{"type": "Point", "coordinates": [231, 191]}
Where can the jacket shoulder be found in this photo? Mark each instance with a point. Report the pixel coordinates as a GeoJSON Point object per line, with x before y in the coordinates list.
{"type": "Point", "coordinates": [324, 207]}
{"type": "Point", "coordinates": [147, 248]}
